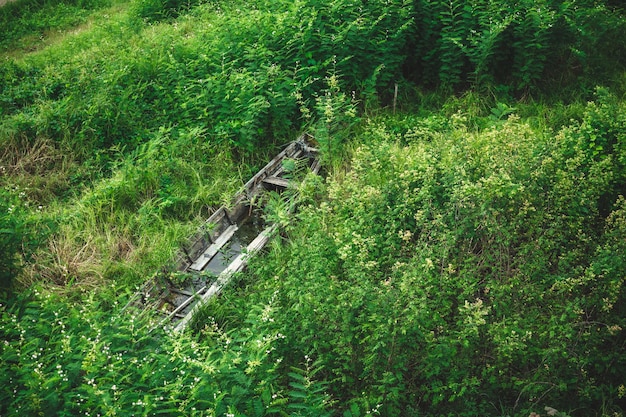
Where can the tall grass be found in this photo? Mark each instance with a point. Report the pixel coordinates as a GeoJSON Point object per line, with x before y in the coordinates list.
{"type": "Point", "coordinates": [26, 23]}
{"type": "Point", "coordinates": [469, 262]}
{"type": "Point", "coordinates": [131, 223]}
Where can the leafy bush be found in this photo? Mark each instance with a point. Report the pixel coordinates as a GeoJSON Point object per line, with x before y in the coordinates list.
{"type": "Point", "coordinates": [461, 272]}
{"type": "Point", "coordinates": [156, 10]}
{"type": "Point", "coordinates": [10, 244]}
{"type": "Point", "coordinates": [18, 235]}
{"type": "Point", "coordinates": [256, 79]}
{"type": "Point", "coordinates": [524, 45]}
{"type": "Point", "coordinates": [451, 271]}
{"type": "Point", "coordinates": [239, 82]}
{"type": "Point", "coordinates": [60, 359]}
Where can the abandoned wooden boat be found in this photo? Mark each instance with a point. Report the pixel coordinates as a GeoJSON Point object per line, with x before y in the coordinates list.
{"type": "Point", "coordinates": [222, 245]}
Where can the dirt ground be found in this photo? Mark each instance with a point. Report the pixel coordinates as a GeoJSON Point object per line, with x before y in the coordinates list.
{"type": "Point", "coordinates": [3, 2]}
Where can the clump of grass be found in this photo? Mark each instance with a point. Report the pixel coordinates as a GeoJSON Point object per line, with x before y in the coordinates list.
{"type": "Point", "coordinates": [41, 168]}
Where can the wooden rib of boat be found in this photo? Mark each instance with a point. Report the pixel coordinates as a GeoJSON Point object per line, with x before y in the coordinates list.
{"type": "Point", "coordinates": [222, 245]}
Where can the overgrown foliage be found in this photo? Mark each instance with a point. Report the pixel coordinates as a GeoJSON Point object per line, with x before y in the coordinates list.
{"type": "Point", "coordinates": [11, 234]}
{"type": "Point", "coordinates": [454, 272]}
{"type": "Point", "coordinates": [241, 88]}
{"type": "Point", "coordinates": [20, 234]}
{"type": "Point", "coordinates": [465, 259]}
{"type": "Point", "coordinates": [88, 359]}
{"type": "Point", "coordinates": [516, 46]}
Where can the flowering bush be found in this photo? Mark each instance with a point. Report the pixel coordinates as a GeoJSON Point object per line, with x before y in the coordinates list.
{"type": "Point", "coordinates": [464, 273]}
{"type": "Point", "coordinates": [90, 359]}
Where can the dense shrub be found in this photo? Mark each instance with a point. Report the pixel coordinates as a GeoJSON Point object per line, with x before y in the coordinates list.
{"type": "Point", "coordinates": [18, 235]}
{"type": "Point", "coordinates": [60, 359]}
{"type": "Point", "coordinates": [156, 10]}
{"type": "Point", "coordinates": [244, 83]}
{"type": "Point", "coordinates": [10, 244]}
{"type": "Point", "coordinates": [525, 45]}
{"type": "Point", "coordinates": [461, 273]}
{"type": "Point", "coordinates": [249, 74]}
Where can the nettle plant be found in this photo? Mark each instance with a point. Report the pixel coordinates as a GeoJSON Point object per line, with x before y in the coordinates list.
{"type": "Point", "coordinates": [462, 271]}
{"type": "Point", "coordinates": [20, 233]}
{"type": "Point", "coordinates": [336, 113]}
{"type": "Point", "coordinates": [525, 45]}
{"type": "Point", "coordinates": [90, 359]}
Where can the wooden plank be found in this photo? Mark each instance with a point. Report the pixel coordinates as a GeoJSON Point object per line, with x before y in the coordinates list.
{"type": "Point", "coordinates": [205, 235]}
{"type": "Point", "coordinates": [181, 292]}
{"type": "Point", "coordinates": [182, 306]}
{"type": "Point", "coordinates": [276, 182]}
{"type": "Point", "coordinates": [270, 167]}
{"type": "Point", "coordinates": [213, 249]}
{"type": "Point", "coordinates": [315, 167]}
{"type": "Point", "coordinates": [215, 218]}
{"type": "Point", "coordinates": [196, 245]}
{"type": "Point", "coordinates": [237, 265]}
{"type": "Point", "coordinates": [309, 149]}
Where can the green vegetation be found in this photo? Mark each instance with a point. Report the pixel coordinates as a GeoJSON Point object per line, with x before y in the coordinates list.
{"type": "Point", "coordinates": [12, 232]}
{"type": "Point", "coordinates": [464, 254]}
{"type": "Point", "coordinates": [27, 24]}
{"type": "Point", "coordinates": [461, 272]}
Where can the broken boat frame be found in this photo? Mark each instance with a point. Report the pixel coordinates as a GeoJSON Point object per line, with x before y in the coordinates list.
{"type": "Point", "coordinates": [178, 302]}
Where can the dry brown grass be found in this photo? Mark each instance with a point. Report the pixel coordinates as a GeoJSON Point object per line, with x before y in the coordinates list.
{"type": "Point", "coordinates": [40, 168]}
{"type": "Point", "coordinates": [66, 263]}
{"type": "Point", "coordinates": [19, 156]}
{"type": "Point", "coordinates": [122, 249]}
{"type": "Point", "coordinates": [3, 2]}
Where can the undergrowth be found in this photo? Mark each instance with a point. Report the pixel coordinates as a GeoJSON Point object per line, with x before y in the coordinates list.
{"type": "Point", "coordinates": [90, 359]}
{"type": "Point", "coordinates": [464, 256]}
{"type": "Point", "coordinates": [455, 271]}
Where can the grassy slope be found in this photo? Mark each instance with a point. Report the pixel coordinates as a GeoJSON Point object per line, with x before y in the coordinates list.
{"type": "Point", "coordinates": [149, 120]}
{"type": "Point", "coordinates": [466, 264]}
{"type": "Point", "coordinates": [92, 145]}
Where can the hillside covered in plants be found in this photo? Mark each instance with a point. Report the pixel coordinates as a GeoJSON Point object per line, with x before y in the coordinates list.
{"type": "Point", "coordinates": [463, 253]}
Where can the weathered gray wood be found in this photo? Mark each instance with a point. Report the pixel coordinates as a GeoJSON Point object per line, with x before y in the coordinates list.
{"type": "Point", "coordinates": [276, 182]}
{"type": "Point", "coordinates": [213, 249]}
{"type": "Point", "coordinates": [239, 211]}
{"type": "Point", "coordinates": [270, 167]}
{"type": "Point", "coordinates": [181, 292]}
{"type": "Point", "coordinates": [315, 167]}
{"type": "Point", "coordinates": [205, 236]}
{"type": "Point", "coordinates": [237, 265]}
{"type": "Point", "coordinates": [182, 306]}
